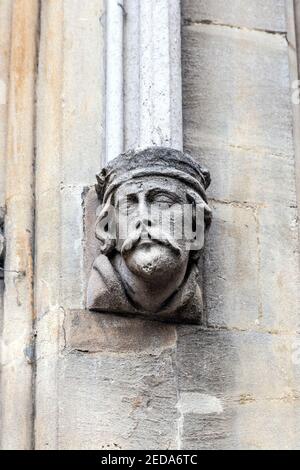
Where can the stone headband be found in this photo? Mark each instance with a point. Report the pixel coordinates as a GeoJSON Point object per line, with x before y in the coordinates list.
{"type": "Point", "coordinates": [156, 161]}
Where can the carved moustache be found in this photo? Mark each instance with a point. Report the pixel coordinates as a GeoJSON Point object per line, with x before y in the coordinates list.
{"type": "Point", "coordinates": [153, 234]}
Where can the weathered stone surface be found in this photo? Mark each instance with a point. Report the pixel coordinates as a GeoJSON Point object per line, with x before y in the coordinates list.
{"type": "Point", "coordinates": [264, 425]}
{"type": "Point", "coordinates": [49, 310]}
{"type": "Point", "coordinates": [245, 176]}
{"type": "Point", "coordinates": [69, 149]}
{"type": "Point", "coordinates": [104, 381]}
{"type": "Point", "coordinates": [16, 344]}
{"type": "Point", "coordinates": [72, 239]}
{"type": "Point", "coordinates": [119, 401]}
{"type": "Point", "coordinates": [231, 365]}
{"type": "Point", "coordinates": [259, 14]}
{"type": "Point", "coordinates": [236, 88]}
{"type": "Point", "coordinates": [251, 154]}
{"type": "Point", "coordinates": [210, 431]}
{"type": "Point", "coordinates": [231, 277]}
{"type": "Point", "coordinates": [252, 380]}
{"type": "Point", "coordinates": [83, 89]}
{"type": "Point", "coordinates": [5, 23]}
{"type": "Point", "coordinates": [246, 283]}
{"type": "Point", "coordinates": [279, 268]}
{"type": "Point", "coordinates": [96, 332]}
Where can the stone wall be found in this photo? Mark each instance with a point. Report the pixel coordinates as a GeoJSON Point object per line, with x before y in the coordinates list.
{"type": "Point", "coordinates": [105, 382]}
{"type": "Point", "coordinates": [238, 119]}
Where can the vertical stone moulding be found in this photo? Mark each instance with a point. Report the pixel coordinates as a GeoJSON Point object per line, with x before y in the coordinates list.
{"type": "Point", "coordinates": [152, 74]}
{"type": "Point", "coordinates": [17, 333]}
{"type": "Point", "coordinates": [114, 78]}
{"type": "Point", "coordinates": [48, 223]}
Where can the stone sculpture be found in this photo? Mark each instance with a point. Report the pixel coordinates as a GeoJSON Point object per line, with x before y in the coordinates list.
{"type": "Point", "coordinates": [151, 228]}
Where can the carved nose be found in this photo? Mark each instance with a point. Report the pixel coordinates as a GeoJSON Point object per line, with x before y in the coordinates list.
{"type": "Point", "coordinates": [145, 222]}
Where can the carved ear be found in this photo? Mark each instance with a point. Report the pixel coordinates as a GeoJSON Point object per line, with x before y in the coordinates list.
{"type": "Point", "coordinates": [195, 198]}
{"type": "Point", "coordinates": [206, 177]}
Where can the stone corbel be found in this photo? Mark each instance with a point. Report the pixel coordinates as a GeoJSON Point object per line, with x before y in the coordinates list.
{"type": "Point", "coordinates": [151, 227]}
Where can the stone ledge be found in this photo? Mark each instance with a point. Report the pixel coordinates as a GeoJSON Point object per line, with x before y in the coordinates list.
{"type": "Point", "coordinates": [107, 333]}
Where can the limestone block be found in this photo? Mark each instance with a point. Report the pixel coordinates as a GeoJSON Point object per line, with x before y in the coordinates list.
{"type": "Point", "coordinates": [245, 176]}
{"type": "Point", "coordinates": [235, 365]}
{"type": "Point", "coordinates": [238, 121]}
{"type": "Point", "coordinates": [96, 332]}
{"type": "Point", "coordinates": [279, 269]}
{"type": "Point", "coordinates": [72, 239]}
{"type": "Point", "coordinates": [231, 267]}
{"type": "Point", "coordinates": [236, 89]}
{"type": "Point", "coordinates": [117, 401]}
{"type": "Point", "coordinates": [250, 377]}
{"type": "Point", "coordinates": [212, 431]}
{"type": "Point", "coordinates": [82, 94]}
{"type": "Point", "coordinates": [256, 14]}
{"type": "Point", "coordinates": [266, 425]}
{"type": "Point", "coordinates": [251, 277]}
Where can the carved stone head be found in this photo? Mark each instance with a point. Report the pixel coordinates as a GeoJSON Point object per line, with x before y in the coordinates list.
{"type": "Point", "coordinates": [151, 227]}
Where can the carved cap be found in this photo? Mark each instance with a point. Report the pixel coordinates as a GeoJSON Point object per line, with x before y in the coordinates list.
{"type": "Point", "coordinates": [154, 161]}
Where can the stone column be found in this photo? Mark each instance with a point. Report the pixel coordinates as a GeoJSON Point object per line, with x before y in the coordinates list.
{"type": "Point", "coordinates": [114, 78]}
{"type": "Point", "coordinates": [143, 70]}
{"type": "Point", "coordinates": [17, 338]}
{"type": "Point", "coordinates": [160, 116]}
{"type": "Point", "coordinates": [48, 222]}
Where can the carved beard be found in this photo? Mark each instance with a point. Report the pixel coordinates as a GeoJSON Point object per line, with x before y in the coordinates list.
{"type": "Point", "coordinates": [154, 234]}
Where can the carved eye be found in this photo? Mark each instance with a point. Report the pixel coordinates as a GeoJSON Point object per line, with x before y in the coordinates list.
{"type": "Point", "coordinates": [163, 200]}
{"type": "Point", "coordinates": [127, 204]}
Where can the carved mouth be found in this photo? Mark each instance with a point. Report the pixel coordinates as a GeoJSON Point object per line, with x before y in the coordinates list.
{"type": "Point", "coordinates": [148, 239]}
{"type": "Point", "coordinates": [148, 242]}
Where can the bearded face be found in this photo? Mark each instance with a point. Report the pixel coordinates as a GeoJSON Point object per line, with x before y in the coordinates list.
{"type": "Point", "coordinates": [150, 229]}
